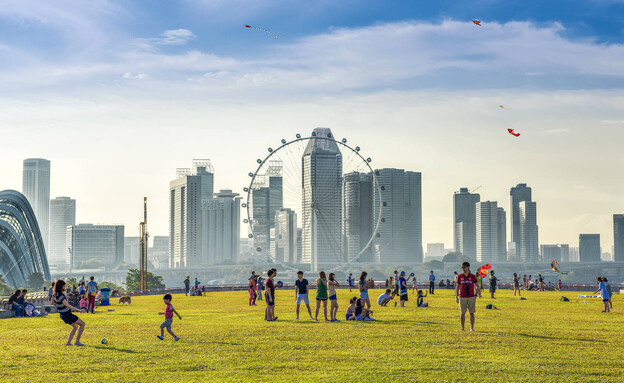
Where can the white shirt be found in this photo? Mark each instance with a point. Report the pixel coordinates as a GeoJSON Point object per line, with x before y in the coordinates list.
{"type": "Point", "coordinates": [382, 297]}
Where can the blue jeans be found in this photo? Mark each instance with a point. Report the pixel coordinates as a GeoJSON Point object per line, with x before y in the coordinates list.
{"type": "Point", "coordinates": [19, 310]}
{"type": "Point", "coordinates": [259, 294]}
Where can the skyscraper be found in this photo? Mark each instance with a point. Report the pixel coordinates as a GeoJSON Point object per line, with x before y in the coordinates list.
{"type": "Point", "coordinates": [267, 198]}
{"type": "Point", "coordinates": [185, 200]}
{"type": "Point", "coordinates": [87, 242]}
{"type": "Point", "coordinates": [465, 222]}
{"type": "Point", "coordinates": [565, 253]}
{"type": "Point", "coordinates": [132, 250]}
{"type": "Point", "coordinates": [618, 237]}
{"type": "Point", "coordinates": [36, 188]}
{"type": "Point", "coordinates": [528, 240]}
{"type": "Point", "coordinates": [399, 236]}
{"type": "Point", "coordinates": [321, 200]}
{"type": "Point", "coordinates": [286, 236]}
{"type": "Point", "coordinates": [502, 234]}
{"type": "Point", "coordinates": [518, 194]}
{"type": "Point", "coordinates": [357, 215]}
{"type": "Point", "coordinates": [551, 253]}
{"type": "Point", "coordinates": [487, 231]}
{"type": "Point", "coordinates": [62, 214]}
{"type": "Point", "coordinates": [221, 228]}
{"type": "Point", "coordinates": [589, 247]}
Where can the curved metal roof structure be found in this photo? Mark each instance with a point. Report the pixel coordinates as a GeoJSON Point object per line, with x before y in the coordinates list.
{"type": "Point", "coordinates": [21, 245]}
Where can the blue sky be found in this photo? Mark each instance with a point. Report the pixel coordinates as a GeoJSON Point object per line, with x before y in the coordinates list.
{"type": "Point", "coordinates": [83, 82]}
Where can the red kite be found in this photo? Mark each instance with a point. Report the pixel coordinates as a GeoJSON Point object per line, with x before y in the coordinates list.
{"type": "Point", "coordinates": [262, 29]}
{"type": "Point", "coordinates": [476, 22]}
{"type": "Point", "coordinates": [511, 131]}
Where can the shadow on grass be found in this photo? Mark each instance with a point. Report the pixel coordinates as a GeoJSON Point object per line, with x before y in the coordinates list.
{"type": "Point", "coordinates": [113, 349]}
{"type": "Point", "coordinates": [561, 338]}
{"type": "Point", "coordinates": [228, 343]}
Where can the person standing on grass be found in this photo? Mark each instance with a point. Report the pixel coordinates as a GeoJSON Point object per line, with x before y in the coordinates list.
{"type": "Point", "coordinates": [350, 281]}
{"type": "Point", "coordinates": [169, 311]}
{"type": "Point", "coordinates": [524, 282]}
{"type": "Point", "coordinates": [466, 291]}
{"type": "Point", "coordinates": [331, 292]}
{"type": "Point", "coordinates": [252, 291]}
{"type": "Point", "coordinates": [516, 284]}
{"type": "Point", "coordinates": [403, 288]}
{"type": "Point", "coordinates": [187, 285]}
{"type": "Point", "coordinates": [92, 290]}
{"type": "Point", "coordinates": [65, 311]}
{"type": "Point", "coordinates": [396, 283]}
{"type": "Point", "coordinates": [606, 281]}
{"type": "Point", "coordinates": [269, 313]}
{"type": "Point", "coordinates": [604, 293]}
{"type": "Point", "coordinates": [493, 282]}
{"type": "Point", "coordinates": [321, 294]}
{"type": "Point", "coordinates": [302, 293]}
{"type": "Point", "coordinates": [559, 285]}
{"type": "Point", "coordinates": [414, 284]}
{"type": "Point", "coordinates": [260, 288]}
{"type": "Point", "coordinates": [431, 282]}
{"type": "Point", "coordinates": [363, 285]}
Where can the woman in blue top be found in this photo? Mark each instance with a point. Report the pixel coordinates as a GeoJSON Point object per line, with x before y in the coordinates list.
{"type": "Point", "coordinates": [363, 286]}
{"type": "Point", "coordinates": [602, 289]}
{"type": "Point", "coordinates": [65, 310]}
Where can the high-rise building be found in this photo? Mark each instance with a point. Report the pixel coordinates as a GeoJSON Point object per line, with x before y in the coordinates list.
{"type": "Point", "coordinates": [357, 215]}
{"type": "Point", "coordinates": [565, 252]}
{"type": "Point", "coordinates": [285, 236]}
{"type": "Point", "coordinates": [435, 250]}
{"type": "Point", "coordinates": [132, 250]}
{"type": "Point", "coordinates": [186, 193]}
{"type": "Point", "coordinates": [618, 237]}
{"type": "Point", "coordinates": [551, 253]}
{"type": "Point", "coordinates": [62, 214]}
{"type": "Point", "coordinates": [487, 231]}
{"type": "Point", "coordinates": [589, 248]}
{"type": "Point", "coordinates": [158, 254]}
{"type": "Point", "coordinates": [501, 231]}
{"type": "Point", "coordinates": [399, 236]}
{"type": "Point", "coordinates": [36, 188]}
{"type": "Point", "coordinates": [87, 242]}
{"type": "Point", "coordinates": [321, 200]}
{"type": "Point", "coordinates": [528, 249]}
{"type": "Point", "coordinates": [518, 194]}
{"type": "Point", "coordinates": [267, 198]}
{"type": "Point", "coordinates": [221, 228]}
{"type": "Point", "coordinates": [465, 222]}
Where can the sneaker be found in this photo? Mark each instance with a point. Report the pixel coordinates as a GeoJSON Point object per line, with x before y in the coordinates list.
{"type": "Point", "coordinates": [177, 338]}
{"type": "Point", "coordinates": [78, 344]}
{"type": "Point", "coordinates": [160, 337]}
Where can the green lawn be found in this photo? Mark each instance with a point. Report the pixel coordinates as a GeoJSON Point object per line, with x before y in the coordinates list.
{"type": "Point", "coordinates": [224, 339]}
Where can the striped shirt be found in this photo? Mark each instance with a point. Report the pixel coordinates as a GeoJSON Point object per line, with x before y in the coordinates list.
{"type": "Point", "coordinates": [60, 307]}
{"type": "Point", "coordinates": [169, 311]}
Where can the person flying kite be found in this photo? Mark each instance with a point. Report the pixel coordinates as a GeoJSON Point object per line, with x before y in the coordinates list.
{"type": "Point", "coordinates": [553, 266]}
{"type": "Point", "coordinates": [476, 22]}
{"type": "Point", "coordinates": [262, 29]}
{"type": "Point", "coordinates": [511, 131]}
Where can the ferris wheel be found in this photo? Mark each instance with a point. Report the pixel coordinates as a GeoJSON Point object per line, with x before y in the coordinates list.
{"type": "Point", "coordinates": [314, 200]}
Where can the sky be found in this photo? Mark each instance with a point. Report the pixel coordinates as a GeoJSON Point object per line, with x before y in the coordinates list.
{"type": "Point", "coordinates": [117, 95]}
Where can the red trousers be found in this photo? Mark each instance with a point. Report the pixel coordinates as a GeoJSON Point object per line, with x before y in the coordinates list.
{"type": "Point", "coordinates": [91, 304]}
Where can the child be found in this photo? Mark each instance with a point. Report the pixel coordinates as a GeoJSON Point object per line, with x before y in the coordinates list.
{"type": "Point", "coordinates": [493, 281]}
{"type": "Point", "coordinates": [414, 285]}
{"type": "Point", "coordinates": [83, 302]}
{"type": "Point", "coordinates": [420, 301]}
{"type": "Point", "coordinates": [252, 291]}
{"type": "Point", "coordinates": [351, 309]}
{"type": "Point", "coordinates": [260, 287]}
{"type": "Point", "coordinates": [559, 285]}
{"type": "Point", "coordinates": [65, 311]}
{"type": "Point", "coordinates": [169, 311]}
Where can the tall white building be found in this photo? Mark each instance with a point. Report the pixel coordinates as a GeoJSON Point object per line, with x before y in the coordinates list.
{"type": "Point", "coordinates": [487, 231]}
{"type": "Point", "coordinates": [322, 201]}
{"type": "Point", "coordinates": [221, 228]}
{"type": "Point", "coordinates": [132, 250]}
{"type": "Point", "coordinates": [36, 188]}
{"type": "Point", "coordinates": [464, 217]}
{"type": "Point", "coordinates": [285, 242]}
{"type": "Point", "coordinates": [528, 249]}
{"type": "Point", "coordinates": [186, 193]}
{"type": "Point", "coordinates": [104, 243]}
{"type": "Point", "coordinates": [502, 234]}
{"type": "Point", "coordinates": [62, 214]}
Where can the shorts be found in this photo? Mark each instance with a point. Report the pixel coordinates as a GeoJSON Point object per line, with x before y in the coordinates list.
{"type": "Point", "coordinates": [351, 284]}
{"type": "Point", "coordinates": [348, 316]}
{"type": "Point", "coordinates": [468, 304]}
{"type": "Point", "coordinates": [359, 317]}
{"type": "Point", "coordinates": [269, 303]}
{"type": "Point", "coordinates": [167, 324]}
{"type": "Point", "coordinates": [492, 289]}
{"type": "Point", "coordinates": [321, 299]}
{"type": "Point", "coordinates": [333, 297]}
{"type": "Point", "coordinates": [404, 298]}
{"type": "Point", "coordinates": [363, 294]}
{"type": "Point", "coordinates": [304, 298]}
{"type": "Point", "coordinates": [186, 289]}
{"type": "Point", "coordinates": [606, 300]}
{"type": "Point", "coordinates": [69, 317]}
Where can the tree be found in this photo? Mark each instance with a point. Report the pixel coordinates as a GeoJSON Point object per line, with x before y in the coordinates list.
{"type": "Point", "coordinates": [5, 290]}
{"type": "Point", "coordinates": [110, 285]}
{"type": "Point", "coordinates": [455, 257]}
{"type": "Point", "coordinates": [432, 265]}
{"type": "Point", "coordinates": [133, 280]}
{"type": "Point", "coordinates": [72, 281]}
{"type": "Point", "coordinates": [35, 281]}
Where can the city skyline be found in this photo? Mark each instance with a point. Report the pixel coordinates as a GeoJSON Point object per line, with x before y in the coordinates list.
{"type": "Point", "coordinates": [125, 106]}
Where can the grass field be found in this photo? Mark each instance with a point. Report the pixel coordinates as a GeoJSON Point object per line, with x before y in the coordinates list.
{"type": "Point", "coordinates": [224, 339]}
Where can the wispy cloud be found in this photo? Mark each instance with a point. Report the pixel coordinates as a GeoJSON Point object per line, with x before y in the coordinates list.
{"type": "Point", "coordinates": [138, 76]}
{"type": "Point", "coordinates": [560, 130]}
{"type": "Point", "coordinates": [168, 37]}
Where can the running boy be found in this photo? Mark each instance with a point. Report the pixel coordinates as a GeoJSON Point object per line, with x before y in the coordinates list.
{"type": "Point", "coordinates": [169, 311]}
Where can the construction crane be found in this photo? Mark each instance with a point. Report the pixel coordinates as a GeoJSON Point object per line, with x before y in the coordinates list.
{"type": "Point", "coordinates": [475, 189]}
{"type": "Point", "coordinates": [144, 236]}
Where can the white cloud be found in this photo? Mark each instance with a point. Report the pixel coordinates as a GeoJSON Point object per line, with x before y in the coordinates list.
{"type": "Point", "coordinates": [138, 76]}
{"type": "Point", "coordinates": [175, 37]}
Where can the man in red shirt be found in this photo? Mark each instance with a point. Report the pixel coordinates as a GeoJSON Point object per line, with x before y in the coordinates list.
{"type": "Point", "coordinates": [466, 291]}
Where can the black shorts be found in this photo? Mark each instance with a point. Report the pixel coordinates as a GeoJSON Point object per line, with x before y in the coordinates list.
{"type": "Point", "coordinates": [269, 303]}
{"type": "Point", "coordinates": [404, 298]}
{"type": "Point", "coordinates": [69, 317]}
{"type": "Point", "coordinates": [321, 299]}
{"type": "Point", "coordinates": [492, 289]}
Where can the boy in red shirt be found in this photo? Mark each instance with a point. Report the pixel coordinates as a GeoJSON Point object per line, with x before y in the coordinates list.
{"type": "Point", "coordinates": [466, 291]}
{"type": "Point", "coordinates": [169, 311]}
